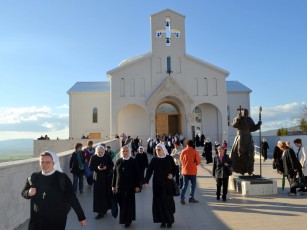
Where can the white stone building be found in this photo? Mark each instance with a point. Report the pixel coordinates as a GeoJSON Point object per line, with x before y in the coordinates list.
{"type": "Point", "coordinates": [163, 91]}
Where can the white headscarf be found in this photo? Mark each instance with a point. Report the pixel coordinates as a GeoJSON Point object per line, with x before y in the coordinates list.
{"type": "Point", "coordinates": [99, 147]}
{"type": "Point", "coordinates": [56, 161]}
{"type": "Point", "coordinates": [161, 145]}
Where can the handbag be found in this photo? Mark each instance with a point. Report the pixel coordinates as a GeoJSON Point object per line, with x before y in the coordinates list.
{"type": "Point", "coordinates": [229, 170]}
{"type": "Point", "coordinates": [87, 171]}
{"type": "Point", "coordinates": [298, 182]}
{"type": "Point", "coordinates": [274, 165]}
{"type": "Point", "coordinates": [176, 190]}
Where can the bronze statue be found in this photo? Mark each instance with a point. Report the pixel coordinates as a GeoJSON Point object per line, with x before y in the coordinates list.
{"type": "Point", "coordinates": [242, 151]}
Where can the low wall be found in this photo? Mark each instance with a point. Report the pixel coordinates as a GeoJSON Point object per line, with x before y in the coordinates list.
{"type": "Point", "coordinates": [15, 210]}
{"type": "Point", "coordinates": [58, 146]}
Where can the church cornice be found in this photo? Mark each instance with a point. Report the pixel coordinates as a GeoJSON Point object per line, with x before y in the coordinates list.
{"type": "Point", "coordinates": [202, 62]}
{"type": "Point", "coordinates": [128, 62]}
{"type": "Point", "coordinates": [168, 88]}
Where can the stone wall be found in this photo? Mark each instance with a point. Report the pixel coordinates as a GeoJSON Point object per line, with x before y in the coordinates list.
{"type": "Point", "coordinates": [62, 145]}
{"type": "Point", "coordinates": [15, 210]}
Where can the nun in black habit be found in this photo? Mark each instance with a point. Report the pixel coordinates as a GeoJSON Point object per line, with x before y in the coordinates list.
{"type": "Point", "coordinates": [125, 184]}
{"type": "Point", "coordinates": [163, 168]}
{"type": "Point", "coordinates": [102, 165]}
{"type": "Point", "coordinates": [51, 194]}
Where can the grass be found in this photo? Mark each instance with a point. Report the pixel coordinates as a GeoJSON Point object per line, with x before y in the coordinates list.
{"type": "Point", "coordinates": [15, 156]}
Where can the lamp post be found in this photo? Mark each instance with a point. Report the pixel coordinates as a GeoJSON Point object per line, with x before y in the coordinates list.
{"type": "Point", "coordinates": [260, 144]}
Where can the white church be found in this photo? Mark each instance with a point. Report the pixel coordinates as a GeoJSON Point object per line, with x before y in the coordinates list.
{"type": "Point", "coordinates": [164, 91]}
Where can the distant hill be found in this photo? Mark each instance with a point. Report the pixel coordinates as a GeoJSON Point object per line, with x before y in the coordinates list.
{"type": "Point", "coordinates": [273, 132]}
{"type": "Point", "coordinates": [20, 146]}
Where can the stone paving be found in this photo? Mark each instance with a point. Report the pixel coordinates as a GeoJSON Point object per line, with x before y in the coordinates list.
{"type": "Point", "coordinates": [239, 212]}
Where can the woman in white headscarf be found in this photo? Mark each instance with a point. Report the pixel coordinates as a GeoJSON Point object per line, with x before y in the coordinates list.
{"type": "Point", "coordinates": [56, 161]}
{"type": "Point", "coordinates": [51, 195]}
{"type": "Point", "coordinates": [125, 184]}
{"type": "Point", "coordinates": [102, 165]}
{"type": "Point", "coordinates": [164, 168]}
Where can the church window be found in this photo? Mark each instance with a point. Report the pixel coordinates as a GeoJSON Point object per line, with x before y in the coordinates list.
{"type": "Point", "coordinates": [214, 88]}
{"type": "Point", "coordinates": [205, 87]}
{"type": "Point", "coordinates": [195, 87]}
{"type": "Point", "coordinates": [95, 115]}
{"type": "Point", "coordinates": [132, 87]}
{"type": "Point", "coordinates": [228, 115]}
{"type": "Point", "coordinates": [167, 108]}
{"type": "Point", "coordinates": [168, 64]}
{"type": "Point", "coordinates": [196, 115]}
{"type": "Point", "coordinates": [122, 87]}
{"type": "Point", "coordinates": [177, 66]}
{"type": "Point", "coordinates": [142, 87]}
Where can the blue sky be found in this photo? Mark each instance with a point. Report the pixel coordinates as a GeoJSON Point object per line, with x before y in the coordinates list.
{"type": "Point", "coordinates": [47, 46]}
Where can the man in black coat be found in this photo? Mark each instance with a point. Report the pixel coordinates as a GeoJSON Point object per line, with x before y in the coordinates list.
{"type": "Point", "coordinates": [291, 165]}
{"type": "Point", "coordinates": [221, 172]}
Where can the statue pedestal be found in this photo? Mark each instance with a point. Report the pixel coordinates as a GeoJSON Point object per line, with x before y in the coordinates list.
{"type": "Point", "coordinates": [252, 185]}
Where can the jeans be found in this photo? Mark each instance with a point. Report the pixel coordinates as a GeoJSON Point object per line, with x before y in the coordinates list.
{"type": "Point", "coordinates": [77, 178]}
{"type": "Point", "coordinates": [186, 179]}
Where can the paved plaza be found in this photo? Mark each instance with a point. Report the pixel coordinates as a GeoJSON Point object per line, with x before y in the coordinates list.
{"type": "Point", "coordinates": [254, 212]}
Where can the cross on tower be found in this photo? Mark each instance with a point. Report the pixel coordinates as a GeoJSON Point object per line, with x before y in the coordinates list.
{"type": "Point", "coordinates": [168, 32]}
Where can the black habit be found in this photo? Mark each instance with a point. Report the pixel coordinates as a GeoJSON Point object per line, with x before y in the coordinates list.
{"type": "Point", "coordinates": [142, 163]}
{"type": "Point", "coordinates": [102, 191]}
{"type": "Point", "coordinates": [125, 180]}
{"type": "Point", "coordinates": [208, 152]}
{"type": "Point", "coordinates": [52, 201]}
{"type": "Point", "coordinates": [163, 205]}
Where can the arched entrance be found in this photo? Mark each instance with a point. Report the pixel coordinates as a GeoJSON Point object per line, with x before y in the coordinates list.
{"type": "Point", "coordinates": [168, 119]}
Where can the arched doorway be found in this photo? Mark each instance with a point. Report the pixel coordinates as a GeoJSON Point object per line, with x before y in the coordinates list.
{"type": "Point", "coordinates": [168, 119]}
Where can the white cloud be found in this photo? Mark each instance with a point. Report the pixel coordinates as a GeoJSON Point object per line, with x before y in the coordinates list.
{"type": "Point", "coordinates": [47, 125]}
{"type": "Point", "coordinates": [280, 116]}
{"type": "Point", "coordinates": [32, 122]}
{"type": "Point", "coordinates": [23, 114]}
{"type": "Point", "coordinates": [64, 106]}
{"type": "Point", "coordinates": [8, 135]}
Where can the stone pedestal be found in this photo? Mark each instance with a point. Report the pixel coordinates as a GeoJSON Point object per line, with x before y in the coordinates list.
{"type": "Point", "coordinates": [252, 185]}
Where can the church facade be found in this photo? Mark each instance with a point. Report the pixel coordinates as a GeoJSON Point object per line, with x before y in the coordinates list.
{"type": "Point", "coordinates": [163, 91]}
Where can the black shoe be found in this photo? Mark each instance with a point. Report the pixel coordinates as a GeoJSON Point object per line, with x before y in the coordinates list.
{"type": "Point", "coordinates": [218, 198]}
{"type": "Point", "coordinates": [224, 198]}
{"type": "Point", "coordinates": [100, 215]}
{"type": "Point", "coordinates": [127, 225]}
{"type": "Point", "coordinates": [163, 225]}
{"type": "Point", "coordinates": [192, 200]}
{"type": "Point", "coordinates": [169, 225]}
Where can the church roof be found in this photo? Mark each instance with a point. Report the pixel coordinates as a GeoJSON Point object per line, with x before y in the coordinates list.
{"type": "Point", "coordinates": [235, 86]}
{"type": "Point", "coordinates": [87, 87]}
{"type": "Point", "coordinates": [169, 10]}
{"type": "Point", "coordinates": [207, 64]}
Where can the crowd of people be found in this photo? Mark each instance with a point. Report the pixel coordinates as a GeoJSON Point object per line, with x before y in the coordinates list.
{"type": "Point", "coordinates": [291, 165]}
{"type": "Point", "coordinates": [112, 179]}
{"type": "Point", "coordinates": [118, 179]}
